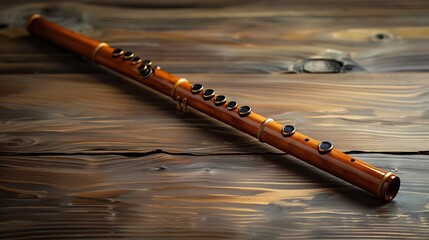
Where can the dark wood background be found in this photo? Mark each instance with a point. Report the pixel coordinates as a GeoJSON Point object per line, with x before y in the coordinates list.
{"type": "Point", "coordinates": [87, 154]}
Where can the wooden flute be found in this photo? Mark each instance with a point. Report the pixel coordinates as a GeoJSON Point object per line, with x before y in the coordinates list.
{"type": "Point", "coordinates": [382, 184]}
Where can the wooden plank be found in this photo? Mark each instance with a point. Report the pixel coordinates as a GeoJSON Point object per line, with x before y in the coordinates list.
{"type": "Point", "coordinates": [228, 41]}
{"type": "Point", "coordinates": [231, 196]}
{"type": "Point", "coordinates": [85, 154]}
{"type": "Point", "coordinates": [102, 113]}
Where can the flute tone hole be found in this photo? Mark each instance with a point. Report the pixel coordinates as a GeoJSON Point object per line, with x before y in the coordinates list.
{"type": "Point", "coordinates": [352, 160]}
{"type": "Point", "coordinates": [306, 139]}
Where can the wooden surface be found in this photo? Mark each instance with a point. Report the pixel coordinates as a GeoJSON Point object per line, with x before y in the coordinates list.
{"type": "Point", "coordinates": [87, 154]}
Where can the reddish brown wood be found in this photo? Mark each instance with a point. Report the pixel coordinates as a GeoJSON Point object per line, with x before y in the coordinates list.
{"type": "Point", "coordinates": [376, 181]}
{"type": "Point", "coordinates": [63, 37]}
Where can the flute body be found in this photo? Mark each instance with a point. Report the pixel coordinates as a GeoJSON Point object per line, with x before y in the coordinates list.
{"type": "Point", "coordinates": [384, 185]}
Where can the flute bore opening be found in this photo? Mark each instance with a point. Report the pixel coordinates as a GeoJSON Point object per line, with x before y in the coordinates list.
{"type": "Point", "coordinates": [392, 189]}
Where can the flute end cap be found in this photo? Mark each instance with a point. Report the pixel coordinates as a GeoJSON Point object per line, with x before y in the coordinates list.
{"type": "Point", "coordinates": [390, 188]}
{"type": "Point", "coordinates": [31, 18]}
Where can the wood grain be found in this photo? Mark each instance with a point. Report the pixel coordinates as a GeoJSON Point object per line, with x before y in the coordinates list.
{"type": "Point", "coordinates": [163, 196]}
{"type": "Point", "coordinates": [87, 154]}
{"type": "Point", "coordinates": [72, 113]}
{"type": "Point", "coordinates": [272, 39]}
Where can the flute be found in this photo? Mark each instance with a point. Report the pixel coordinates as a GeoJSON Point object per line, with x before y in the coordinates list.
{"type": "Point", "coordinates": [384, 185]}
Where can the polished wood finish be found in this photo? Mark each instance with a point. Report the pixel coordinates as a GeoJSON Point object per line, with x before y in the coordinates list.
{"type": "Point", "coordinates": [382, 184]}
{"type": "Point", "coordinates": [63, 37]}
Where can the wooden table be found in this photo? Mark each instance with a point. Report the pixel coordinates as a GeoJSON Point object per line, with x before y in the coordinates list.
{"type": "Point", "coordinates": [87, 154]}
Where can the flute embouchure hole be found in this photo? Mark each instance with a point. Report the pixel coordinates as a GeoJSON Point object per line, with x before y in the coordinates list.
{"type": "Point", "coordinates": [306, 139]}
{"type": "Point", "coordinates": [352, 160]}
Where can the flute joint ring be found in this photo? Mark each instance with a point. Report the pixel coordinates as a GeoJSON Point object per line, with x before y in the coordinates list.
{"type": "Point", "coordinates": [31, 19]}
{"type": "Point", "coordinates": [94, 53]}
{"type": "Point", "coordinates": [380, 185]}
{"type": "Point", "coordinates": [173, 90]}
{"type": "Point", "coordinates": [262, 127]}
